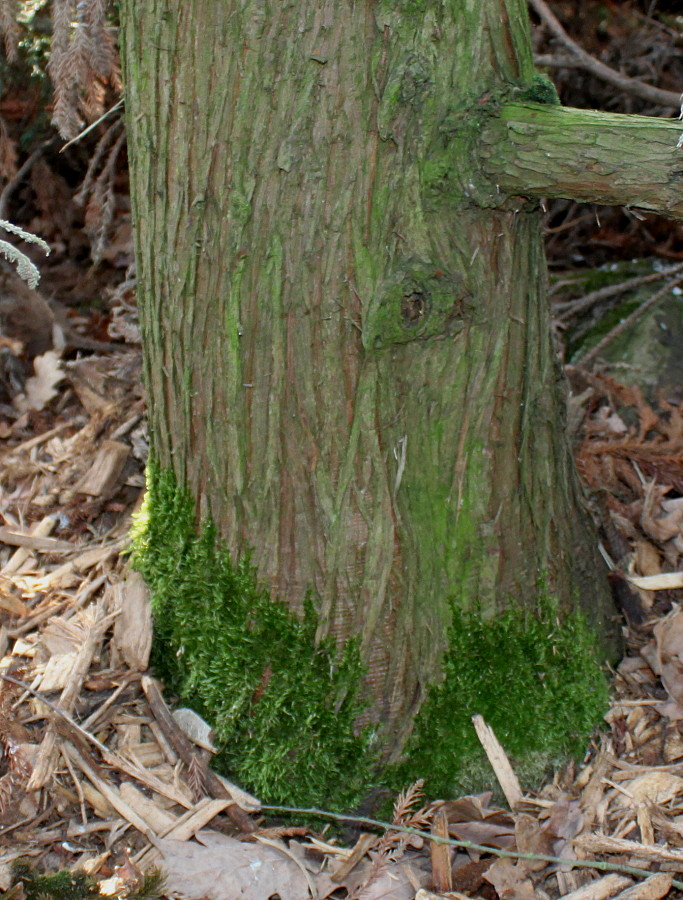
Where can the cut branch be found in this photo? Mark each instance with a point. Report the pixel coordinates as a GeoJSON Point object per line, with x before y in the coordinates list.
{"type": "Point", "coordinates": [594, 157]}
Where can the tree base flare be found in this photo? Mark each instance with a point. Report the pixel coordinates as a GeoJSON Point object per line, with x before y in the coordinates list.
{"type": "Point", "coordinates": [284, 708]}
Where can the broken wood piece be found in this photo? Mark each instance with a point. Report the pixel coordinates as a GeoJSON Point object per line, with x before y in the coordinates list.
{"type": "Point", "coordinates": [186, 752]}
{"type": "Point", "coordinates": [67, 574]}
{"type": "Point", "coordinates": [363, 844]}
{"type": "Point", "coordinates": [34, 542]}
{"type": "Point", "coordinates": [149, 779]}
{"type": "Point", "coordinates": [9, 600]}
{"type": "Point", "coordinates": [160, 819]}
{"type": "Point", "coordinates": [442, 876]}
{"type": "Point", "coordinates": [133, 627]}
{"type": "Point", "coordinates": [653, 888]}
{"type": "Point", "coordinates": [94, 624]}
{"type": "Point", "coordinates": [104, 473]}
{"type": "Point", "coordinates": [17, 560]}
{"type": "Point", "coordinates": [108, 791]}
{"type": "Point", "coordinates": [499, 762]}
{"type": "Point", "coordinates": [195, 819]}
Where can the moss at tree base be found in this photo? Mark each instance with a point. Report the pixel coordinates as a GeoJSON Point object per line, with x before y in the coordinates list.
{"type": "Point", "coordinates": [284, 709]}
{"type": "Point", "coordinates": [535, 678]}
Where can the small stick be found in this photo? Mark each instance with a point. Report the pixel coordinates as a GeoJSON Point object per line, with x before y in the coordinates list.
{"type": "Point", "coordinates": [588, 62]}
{"type": "Point", "coordinates": [627, 322]}
{"type": "Point", "coordinates": [467, 845]}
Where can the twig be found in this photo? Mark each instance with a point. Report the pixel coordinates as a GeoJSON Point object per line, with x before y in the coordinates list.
{"type": "Point", "coordinates": [60, 712]}
{"type": "Point", "coordinates": [628, 85]}
{"type": "Point", "coordinates": [469, 845]}
{"type": "Point", "coordinates": [87, 130]}
{"type": "Point", "coordinates": [572, 307]}
{"type": "Point", "coordinates": [627, 322]}
{"type": "Point", "coordinates": [14, 182]}
{"type": "Point", "coordinates": [183, 747]}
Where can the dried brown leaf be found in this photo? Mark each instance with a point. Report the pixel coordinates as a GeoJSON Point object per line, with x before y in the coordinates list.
{"type": "Point", "coordinates": [224, 868]}
{"type": "Point", "coordinates": [510, 880]}
{"type": "Point", "coordinates": [41, 387]}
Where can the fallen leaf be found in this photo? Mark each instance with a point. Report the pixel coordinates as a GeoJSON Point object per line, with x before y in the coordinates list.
{"type": "Point", "coordinates": [660, 527]}
{"type": "Point", "coordinates": [223, 868]}
{"type": "Point", "coordinates": [394, 881]}
{"type": "Point", "coordinates": [40, 388]}
{"type": "Point", "coordinates": [668, 635]}
{"type": "Point", "coordinates": [490, 834]}
{"type": "Point", "coordinates": [510, 880]}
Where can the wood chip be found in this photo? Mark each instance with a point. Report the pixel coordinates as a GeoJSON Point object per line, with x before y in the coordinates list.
{"type": "Point", "coordinates": [104, 474]}
{"type": "Point", "coordinates": [108, 791]}
{"type": "Point", "coordinates": [601, 889]}
{"type": "Point", "coordinates": [442, 877]}
{"type": "Point", "coordinates": [17, 560]}
{"type": "Point", "coordinates": [94, 623]}
{"type": "Point", "coordinates": [160, 820]}
{"type": "Point", "coordinates": [499, 762]}
{"type": "Point", "coordinates": [133, 626]}
{"type": "Point", "coordinates": [195, 819]}
{"type": "Point", "coordinates": [34, 542]}
{"type": "Point", "coordinates": [363, 844]}
{"type": "Point", "coordinates": [652, 888]}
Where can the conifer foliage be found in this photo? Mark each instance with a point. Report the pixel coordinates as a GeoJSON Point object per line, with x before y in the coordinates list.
{"type": "Point", "coordinates": [83, 63]}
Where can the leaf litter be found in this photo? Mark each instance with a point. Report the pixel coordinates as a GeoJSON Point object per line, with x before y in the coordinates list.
{"type": "Point", "coordinates": [99, 776]}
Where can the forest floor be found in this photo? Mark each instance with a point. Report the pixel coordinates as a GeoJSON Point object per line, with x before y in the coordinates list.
{"type": "Point", "coordinates": [100, 778]}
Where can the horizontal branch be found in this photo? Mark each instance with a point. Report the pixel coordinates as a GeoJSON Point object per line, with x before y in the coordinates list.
{"type": "Point", "coordinates": [539, 150]}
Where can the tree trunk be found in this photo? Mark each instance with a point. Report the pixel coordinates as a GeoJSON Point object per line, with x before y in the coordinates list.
{"type": "Point", "coordinates": [347, 355]}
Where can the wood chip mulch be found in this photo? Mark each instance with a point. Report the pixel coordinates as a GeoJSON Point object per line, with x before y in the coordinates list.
{"type": "Point", "coordinates": [99, 776]}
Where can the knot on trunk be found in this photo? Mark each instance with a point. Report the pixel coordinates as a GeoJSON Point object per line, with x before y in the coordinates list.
{"type": "Point", "coordinates": [419, 300]}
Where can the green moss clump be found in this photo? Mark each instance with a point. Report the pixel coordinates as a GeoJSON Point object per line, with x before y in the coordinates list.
{"type": "Point", "coordinates": [68, 885]}
{"type": "Point", "coordinates": [533, 676]}
{"type": "Point", "coordinates": [541, 90]}
{"type": "Point", "coordinates": [282, 706]}
{"type": "Point", "coordinates": [62, 885]}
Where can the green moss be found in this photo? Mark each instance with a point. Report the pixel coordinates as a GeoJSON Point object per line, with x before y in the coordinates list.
{"type": "Point", "coordinates": [62, 885]}
{"type": "Point", "coordinates": [535, 679]}
{"type": "Point", "coordinates": [541, 90]}
{"type": "Point", "coordinates": [283, 707]}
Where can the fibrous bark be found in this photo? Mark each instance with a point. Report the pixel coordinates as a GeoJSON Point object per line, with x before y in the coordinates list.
{"type": "Point", "coordinates": [348, 359]}
{"type": "Point", "coordinates": [579, 154]}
